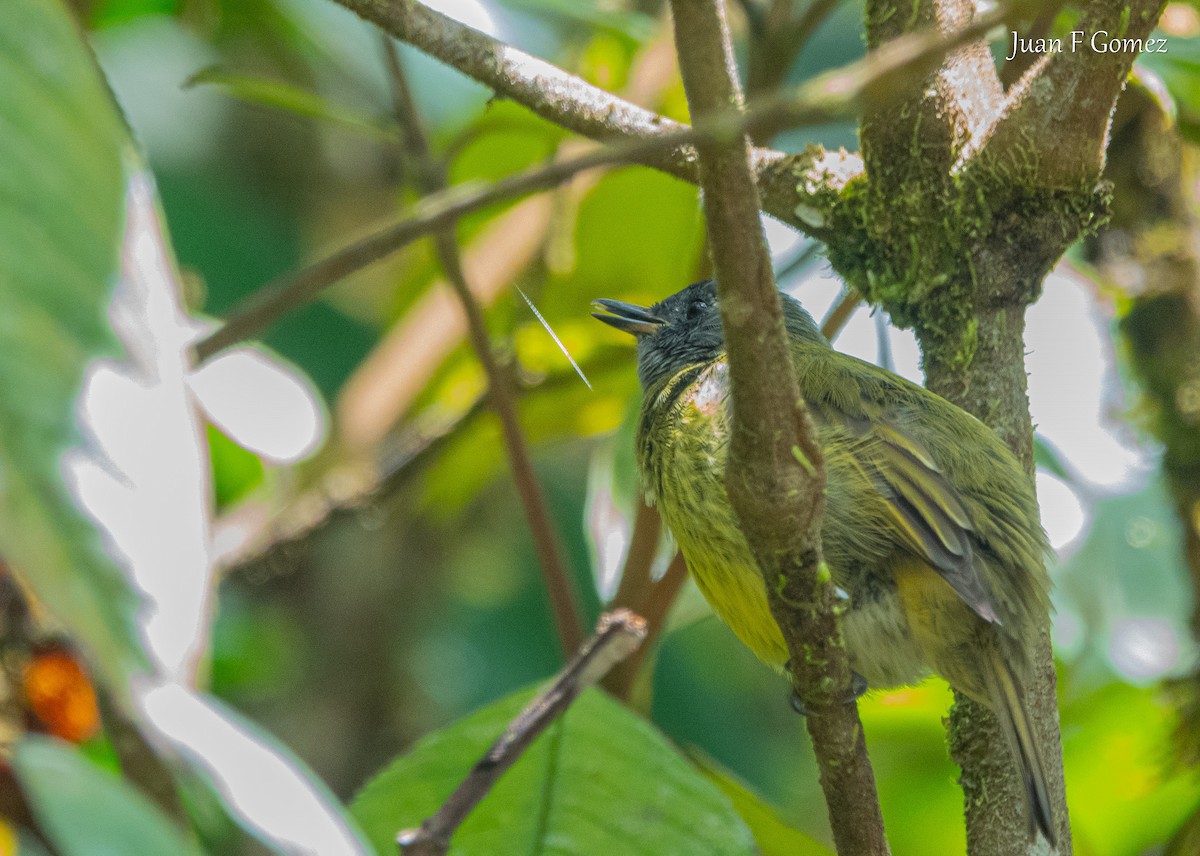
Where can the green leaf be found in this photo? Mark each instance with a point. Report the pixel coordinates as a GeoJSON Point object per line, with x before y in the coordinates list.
{"type": "Point", "coordinates": [600, 780]}
{"type": "Point", "coordinates": [62, 179]}
{"type": "Point", "coordinates": [1126, 794]}
{"type": "Point", "coordinates": [108, 13]}
{"type": "Point", "coordinates": [89, 812]}
{"type": "Point", "coordinates": [291, 99]}
{"type": "Point", "coordinates": [236, 471]}
{"type": "Point", "coordinates": [775, 837]}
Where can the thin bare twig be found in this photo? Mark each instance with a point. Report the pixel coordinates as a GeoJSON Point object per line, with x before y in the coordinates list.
{"type": "Point", "coordinates": [824, 98]}
{"type": "Point", "coordinates": [771, 434]}
{"type": "Point", "coordinates": [618, 634]}
{"type": "Point", "coordinates": [431, 179]}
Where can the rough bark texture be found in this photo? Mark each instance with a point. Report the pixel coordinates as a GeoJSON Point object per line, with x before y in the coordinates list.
{"type": "Point", "coordinates": [1019, 176]}
{"type": "Point", "coordinates": [777, 498]}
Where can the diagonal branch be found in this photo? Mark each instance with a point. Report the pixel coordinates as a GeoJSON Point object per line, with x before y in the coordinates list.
{"type": "Point", "coordinates": [554, 94]}
{"type": "Point", "coordinates": [618, 634]}
{"type": "Point", "coordinates": [867, 83]}
{"type": "Point", "coordinates": [775, 471]}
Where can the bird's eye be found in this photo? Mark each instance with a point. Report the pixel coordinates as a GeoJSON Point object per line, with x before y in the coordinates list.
{"type": "Point", "coordinates": [696, 310]}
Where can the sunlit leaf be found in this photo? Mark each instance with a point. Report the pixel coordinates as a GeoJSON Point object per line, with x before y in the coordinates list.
{"type": "Point", "coordinates": [236, 471]}
{"type": "Point", "coordinates": [560, 406]}
{"type": "Point", "coordinates": [89, 812]}
{"type": "Point", "coordinates": [107, 13]}
{"type": "Point", "coordinates": [600, 780]}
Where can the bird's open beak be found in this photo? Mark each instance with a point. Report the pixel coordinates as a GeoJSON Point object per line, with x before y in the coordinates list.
{"type": "Point", "coordinates": [626, 316]}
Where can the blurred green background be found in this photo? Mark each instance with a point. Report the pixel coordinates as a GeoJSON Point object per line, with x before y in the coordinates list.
{"type": "Point", "coordinates": [404, 610]}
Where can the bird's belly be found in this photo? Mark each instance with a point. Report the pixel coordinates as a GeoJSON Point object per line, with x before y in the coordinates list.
{"type": "Point", "coordinates": [685, 474]}
{"type": "Point", "coordinates": [694, 505]}
{"type": "Point", "coordinates": [880, 644]}
{"type": "Point", "coordinates": [878, 641]}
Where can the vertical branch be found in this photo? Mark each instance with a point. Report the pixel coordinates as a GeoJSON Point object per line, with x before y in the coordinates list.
{"type": "Point", "coordinates": [431, 179]}
{"type": "Point", "coordinates": [1019, 171]}
{"type": "Point", "coordinates": [775, 471]}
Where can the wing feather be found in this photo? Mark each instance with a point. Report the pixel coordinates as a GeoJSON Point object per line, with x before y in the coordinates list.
{"type": "Point", "coordinates": [929, 516]}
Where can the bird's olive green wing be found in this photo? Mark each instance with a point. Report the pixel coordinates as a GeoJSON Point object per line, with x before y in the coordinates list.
{"type": "Point", "coordinates": [927, 512]}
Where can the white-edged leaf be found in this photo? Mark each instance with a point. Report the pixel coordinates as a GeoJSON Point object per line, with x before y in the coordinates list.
{"type": "Point", "coordinates": [271, 793]}
{"type": "Point", "coordinates": [62, 192]}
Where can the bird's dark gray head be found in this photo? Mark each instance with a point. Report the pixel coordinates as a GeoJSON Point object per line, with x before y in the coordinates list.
{"type": "Point", "coordinates": [685, 329]}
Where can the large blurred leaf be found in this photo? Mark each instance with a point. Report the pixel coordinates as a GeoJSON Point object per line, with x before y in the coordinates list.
{"type": "Point", "coordinates": [62, 182]}
{"type": "Point", "coordinates": [101, 468]}
{"type": "Point", "coordinates": [600, 781]}
{"type": "Point", "coordinates": [774, 836]}
{"type": "Point", "coordinates": [89, 812]}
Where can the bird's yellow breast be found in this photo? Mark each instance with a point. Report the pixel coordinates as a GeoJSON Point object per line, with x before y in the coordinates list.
{"type": "Point", "coordinates": [683, 474]}
{"type": "Point", "coordinates": [684, 448]}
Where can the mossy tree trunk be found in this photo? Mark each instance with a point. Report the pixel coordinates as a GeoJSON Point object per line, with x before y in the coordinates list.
{"type": "Point", "coordinates": [970, 195]}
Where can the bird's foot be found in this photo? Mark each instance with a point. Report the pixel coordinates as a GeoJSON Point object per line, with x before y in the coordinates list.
{"type": "Point", "coordinates": [858, 686]}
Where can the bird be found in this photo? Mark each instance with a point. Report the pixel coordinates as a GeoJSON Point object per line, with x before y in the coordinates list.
{"type": "Point", "coordinates": [931, 526]}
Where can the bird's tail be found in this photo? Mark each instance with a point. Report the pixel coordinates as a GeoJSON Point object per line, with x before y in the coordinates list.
{"type": "Point", "coordinates": [1009, 704]}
